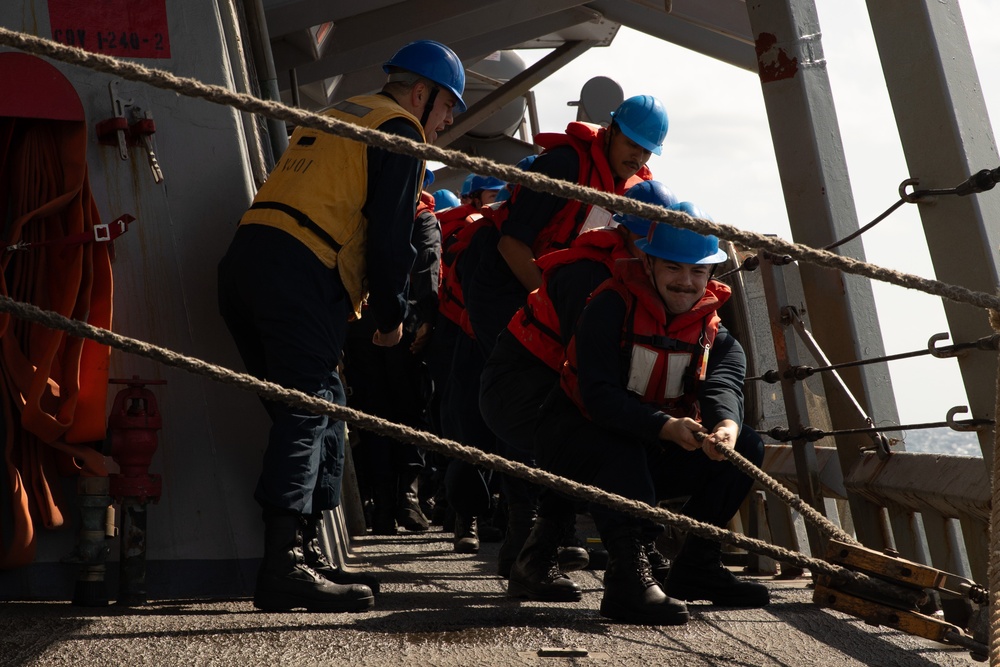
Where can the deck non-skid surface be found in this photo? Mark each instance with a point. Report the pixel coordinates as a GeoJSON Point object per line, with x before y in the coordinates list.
{"type": "Point", "coordinates": [441, 608]}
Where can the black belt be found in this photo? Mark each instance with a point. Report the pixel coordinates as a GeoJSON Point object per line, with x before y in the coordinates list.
{"type": "Point", "coordinates": [301, 218]}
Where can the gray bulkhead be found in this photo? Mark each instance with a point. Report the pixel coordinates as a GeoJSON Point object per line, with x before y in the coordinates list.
{"type": "Point", "coordinates": [212, 439]}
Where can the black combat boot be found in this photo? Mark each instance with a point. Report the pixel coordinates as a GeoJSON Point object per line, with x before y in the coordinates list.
{"type": "Point", "coordinates": [285, 582]}
{"type": "Point", "coordinates": [658, 563]}
{"type": "Point", "coordinates": [520, 519]}
{"type": "Point", "coordinates": [698, 574]}
{"type": "Point", "coordinates": [571, 555]}
{"type": "Point", "coordinates": [312, 551]}
{"type": "Point", "coordinates": [384, 497]}
{"type": "Point", "coordinates": [631, 594]}
{"type": "Point", "coordinates": [466, 534]}
{"type": "Point", "coordinates": [535, 574]}
{"type": "Point", "coordinates": [408, 512]}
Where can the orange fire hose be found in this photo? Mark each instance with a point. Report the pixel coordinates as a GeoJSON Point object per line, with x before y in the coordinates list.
{"type": "Point", "coordinates": [54, 387]}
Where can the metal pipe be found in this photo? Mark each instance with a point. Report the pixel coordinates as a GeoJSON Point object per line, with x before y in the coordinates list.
{"type": "Point", "coordinates": [293, 83]}
{"type": "Point", "coordinates": [260, 45]}
{"type": "Point", "coordinates": [91, 550]}
{"type": "Point", "coordinates": [533, 114]}
{"type": "Point", "coordinates": [132, 555]}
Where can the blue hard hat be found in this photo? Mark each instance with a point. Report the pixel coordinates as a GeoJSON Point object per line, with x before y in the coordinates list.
{"type": "Point", "coordinates": [682, 245]}
{"type": "Point", "coordinates": [433, 61]}
{"type": "Point", "coordinates": [485, 183]}
{"type": "Point", "coordinates": [465, 185]}
{"type": "Point", "coordinates": [525, 163]}
{"type": "Point", "coordinates": [648, 192]}
{"type": "Point", "coordinates": [503, 195]}
{"type": "Point", "coordinates": [445, 199]}
{"type": "Point", "coordinates": [691, 209]}
{"type": "Point", "coordinates": [643, 119]}
{"type": "Point", "coordinates": [428, 178]}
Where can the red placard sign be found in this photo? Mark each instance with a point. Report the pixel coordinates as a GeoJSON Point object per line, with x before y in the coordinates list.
{"type": "Point", "coordinates": [124, 28]}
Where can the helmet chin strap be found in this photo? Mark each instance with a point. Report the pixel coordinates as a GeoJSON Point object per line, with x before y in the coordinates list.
{"type": "Point", "coordinates": [429, 106]}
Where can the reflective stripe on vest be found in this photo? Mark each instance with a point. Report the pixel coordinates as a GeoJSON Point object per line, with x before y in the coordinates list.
{"type": "Point", "coordinates": [658, 356]}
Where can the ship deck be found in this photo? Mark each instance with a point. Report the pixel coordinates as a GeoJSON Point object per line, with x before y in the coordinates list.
{"type": "Point", "coordinates": [442, 608]}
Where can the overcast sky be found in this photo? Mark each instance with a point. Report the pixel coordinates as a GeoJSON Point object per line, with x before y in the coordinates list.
{"type": "Point", "coordinates": [718, 125]}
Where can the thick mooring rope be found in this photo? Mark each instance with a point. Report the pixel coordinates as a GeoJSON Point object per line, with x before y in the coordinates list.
{"type": "Point", "coordinates": [450, 448]}
{"type": "Point", "coordinates": [808, 512]}
{"type": "Point", "coordinates": [220, 95]}
{"type": "Point", "coordinates": [994, 556]}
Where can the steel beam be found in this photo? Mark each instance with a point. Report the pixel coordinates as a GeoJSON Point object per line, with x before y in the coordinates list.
{"type": "Point", "coordinates": [779, 463]}
{"type": "Point", "coordinates": [516, 87]}
{"type": "Point", "coordinates": [945, 131]}
{"type": "Point", "coordinates": [469, 50]}
{"type": "Point", "coordinates": [955, 486]}
{"type": "Point", "coordinates": [723, 35]}
{"type": "Point", "coordinates": [793, 395]}
{"type": "Point", "coordinates": [367, 39]}
{"type": "Point", "coordinates": [285, 17]}
{"type": "Point", "coordinates": [821, 210]}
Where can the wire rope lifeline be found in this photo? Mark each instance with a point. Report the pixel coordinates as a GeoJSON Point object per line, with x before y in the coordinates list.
{"type": "Point", "coordinates": [981, 181]}
{"type": "Point", "coordinates": [811, 434]}
{"type": "Point", "coordinates": [801, 372]}
{"type": "Point", "coordinates": [220, 95]}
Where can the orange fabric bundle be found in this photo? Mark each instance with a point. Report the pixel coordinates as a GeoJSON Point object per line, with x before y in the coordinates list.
{"type": "Point", "coordinates": [54, 386]}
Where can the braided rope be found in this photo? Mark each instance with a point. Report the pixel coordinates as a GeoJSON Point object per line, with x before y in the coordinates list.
{"type": "Point", "coordinates": [994, 559]}
{"type": "Point", "coordinates": [220, 95]}
{"type": "Point", "coordinates": [796, 503]}
{"type": "Point", "coordinates": [402, 433]}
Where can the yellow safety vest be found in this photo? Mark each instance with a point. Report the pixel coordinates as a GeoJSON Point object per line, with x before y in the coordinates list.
{"type": "Point", "coordinates": [317, 189]}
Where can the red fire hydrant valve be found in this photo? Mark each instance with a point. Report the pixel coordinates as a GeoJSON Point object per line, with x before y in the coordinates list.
{"type": "Point", "coordinates": [132, 428]}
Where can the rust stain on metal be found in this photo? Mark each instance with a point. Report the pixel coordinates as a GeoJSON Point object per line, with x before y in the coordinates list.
{"type": "Point", "coordinates": [773, 62]}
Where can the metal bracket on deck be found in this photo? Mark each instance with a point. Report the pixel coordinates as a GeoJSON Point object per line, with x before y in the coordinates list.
{"type": "Point", "coordinates": [912, 584]}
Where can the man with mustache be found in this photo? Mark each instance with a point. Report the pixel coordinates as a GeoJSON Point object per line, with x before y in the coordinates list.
{"type": "Point", "coordinates": [525, 366]}
{"type": "Point", "coordinates": [649, 367]}
{"type": "Point", "coordinates": [534, 224]}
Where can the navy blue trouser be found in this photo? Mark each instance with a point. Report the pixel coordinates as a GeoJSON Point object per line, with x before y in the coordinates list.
{"type": "Point", "coordinates": [467, 489]}
{"type": "Point", "coordinates": [513, 386]}
{"type": "Point", "coordinates": [572, 446]}
{"type": "Point", "coordinates": [392, 383]}
{"type": "Point", "coordinates": [440, 351]}
{"type": "Point", "coordinates": [288, 315]}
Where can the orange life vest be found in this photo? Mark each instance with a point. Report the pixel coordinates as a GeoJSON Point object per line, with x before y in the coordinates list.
{"type": "Point", "coordinates": [665, 357]}
{"type": "Point", "coordinates": [536, 324]}
{"type": "Point", "coordinates": [425, 203]}
{"type": "Point", "coordinates": [453, 220]}
{"type": "Point", "coordinates": [588, 142]}
{"type": "Point", "coordinates": [451, 301]}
